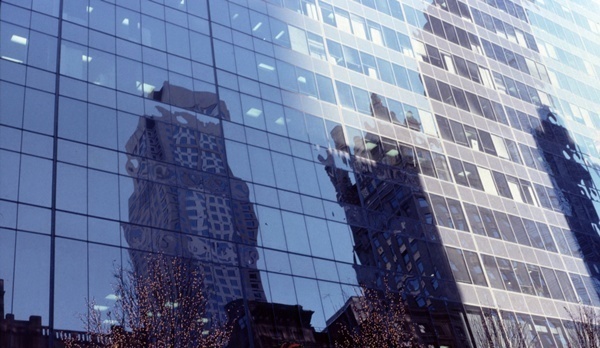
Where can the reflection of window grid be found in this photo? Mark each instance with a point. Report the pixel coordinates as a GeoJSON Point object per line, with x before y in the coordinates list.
{"type": "Point", "coordinates": [195, 206]}
{"type": "Point", "coordinates": [212, 163]}
{"type": "Point", "coordinates": [186, 149]}
{"type": "Point", "coordinates": [219, 216]}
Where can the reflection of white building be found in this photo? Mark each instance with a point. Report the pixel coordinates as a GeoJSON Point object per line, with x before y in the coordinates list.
{"type": "Point", "coordinates": [184, 189]}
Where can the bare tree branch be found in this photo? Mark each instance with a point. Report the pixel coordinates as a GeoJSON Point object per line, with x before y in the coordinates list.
{"type": "Point", "coordinates": [583, 331]}
{"type": "Point", "coordinates": [494, 331]}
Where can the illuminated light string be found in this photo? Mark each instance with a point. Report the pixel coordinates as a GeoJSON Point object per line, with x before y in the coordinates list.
{"type": "Point", "coordinates": [162, 304]}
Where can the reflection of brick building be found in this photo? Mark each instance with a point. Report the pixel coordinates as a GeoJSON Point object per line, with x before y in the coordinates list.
{"type": "Point", "coordinates": [274, 325]}
{"type": "Point", "coordinates": [32, 334]}
{"type": "Point", "coordinates": [20, 333]}
{"type": "Point", "coordinates": [185, 190]}
{"type": "Point", "coordinates": [347, 316]}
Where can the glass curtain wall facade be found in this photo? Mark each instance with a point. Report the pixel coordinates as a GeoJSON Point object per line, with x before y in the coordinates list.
{"type": "Point", "coordinates": [297, 149]}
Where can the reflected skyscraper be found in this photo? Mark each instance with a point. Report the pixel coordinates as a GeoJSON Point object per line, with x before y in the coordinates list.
{"type": "Point", "coordinates": [187, 203]}
{"type": "Point", "coordinates": [392, 223]}
{"type": "Point", "coordinates": [300, 149]}
{"type": "Point", "coordinates": [574, 184]}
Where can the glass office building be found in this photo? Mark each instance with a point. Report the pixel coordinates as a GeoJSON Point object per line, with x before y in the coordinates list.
{"type": "Point", "coordinates": [296, 149]}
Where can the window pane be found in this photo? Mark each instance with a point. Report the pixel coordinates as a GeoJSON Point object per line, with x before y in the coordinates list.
{"type": "Point", "coordinates": [508, 274]}
{"type": "Point", "coordinates": [352, 59]}
{"type": "Point", "coordinates": [566, 286]}
{"type": "Point", "coordinates": [487, 181]}
{"type": "Point", "coordinates": [539, 282]}
{"type": "Point", "coordinates": [442, 214]}
{"type": "Point", "coordinates": [474, 219]}
{"type": "Point", "coordinates": [475, 268]}
{"type": "Point", "coordinates": [458, 171]}
{"type": "Point", "coordinates": [460, 223]}
{"type": "Point", "coordinates": [499, 146]}
{"type": "Point", "coordinates": [306, 82]}
{"type": "Point", "coordinates": [553, 284]}
{"type": "Point", "coordinates": [326, 92]}
{"type": "Point", "coordinates": [345, 94]}
{"type": "Point", "coordinates": [444, 128]}
{"type": "Point", "coordinates": [397, 112]}
{"type": "Point", "coordinates": [459, 133]}
{"type": "Point", "coordinates": [513, 151]}
{"type": "Point", "coordinates": [427, 123]}
{"type": "Point", "coordinates": [546, 237]}
{"type": "Point", "coordinates": [523, 278]}
{"type": "Point", "coordinates": [401, 76]}
{"type": "Point", "coordinates": [504, 226]}
{"type": "Point", "coordinates": [561, 241]}
{"type": "Point", "coordinates": [486, 141]}
{"type": "Point", "coordinates": [362, 100]}
{"type": "Point", "coordinates": [432, 90]}
{"type": "Point", "coordinates": [385, 69]}
{"type": "Point", "coordinates": [473, 138]}
{"type": "Point", "coordinates": [491, 270]}
{"type": "Point", "coordinates": [446, 93]}
{"type": "Point", "coordinates": [489, 222]}
{"type": "Point", "coordinates": [458, 265]}
{"type": "Point", "coordinates": [35, 184]}
{"type": "Point", "coordinates": [461, 100]}
{"type": "Point", "coordinates": [533, 233]}
{"type": "Point", "coordinates": [473, 101]}
{"type": "Point", "coordinates": [42, 51]}
{"type": "Point", "coordinates": [415, 82]}
{"type": "Point", "coordinates": [379, 107]}
{"type": "Point", "coordinates": [473, 176]}
{"type": "Point", "coordinates": [425, 162]}
{"type": "Point", "coordinates": [441, 166]}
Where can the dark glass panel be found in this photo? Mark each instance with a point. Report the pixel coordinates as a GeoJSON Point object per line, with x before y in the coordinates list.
{"type": "Point", "coordinates": [508, 274]}
{"type": "Point", "coordinates": [461, 100]}
{"type": "Point", "coordinates": [425, 162]}
{"type": "Point", "coordinates": [441, 166]}
{"type": "Point", "coordinates": [459, 133]}
{"type": "Point", "coordinates": [458, 265]}
{"type": "Point", "coordinates": [474, 219]}
{"type": "Point", "coordinates": [489, 222]}
{"type": "Point", "coordinates": [539, 282]}
{"type": "Point", "coordinates": [502, 184]}
{"type": "Point", "coordinates": [460, 223]}
{"type": "Point", "coordinates": [553, 284]}
{"type": "Point", "coordinates": [491, 270]}
{"type": "Point", "coordinates": [504, 227]}
{"type": "Point", "coordinates": [519, 229]}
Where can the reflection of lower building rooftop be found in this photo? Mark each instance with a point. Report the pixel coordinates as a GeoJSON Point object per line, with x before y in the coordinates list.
{"type": "Point", "coordinates": [21, 333]}
{"type": "Point", "coordinates": [431, 326]}
{"type": "Point", "coordinates": [273, 325]}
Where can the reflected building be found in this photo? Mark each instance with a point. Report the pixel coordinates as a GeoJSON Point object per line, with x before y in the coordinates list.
{"type": "Point", "coordinates": [274, 325]}
{"type": "Point", "coordinates": [397, 245]}
{"type": "Point", "coordinates": [187, 203]}
{"type": "Point", "coordinates": [575, 195]}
